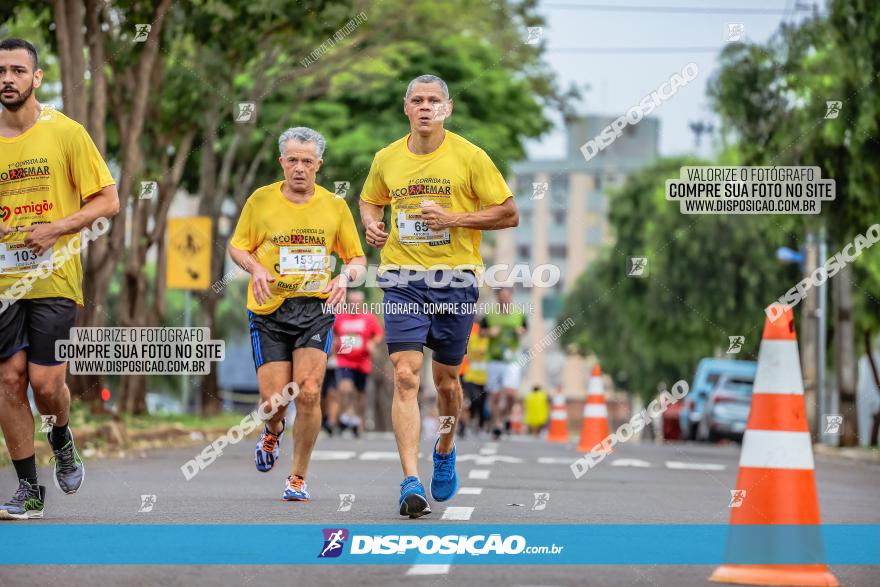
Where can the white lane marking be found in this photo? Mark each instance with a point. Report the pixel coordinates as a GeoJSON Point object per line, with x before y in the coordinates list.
{"type": "Point", "coordinates": [694, 466]}
{"type": "Point", "coordinates": [457, 513]}
{"type": "Point", "coordinates": [489, 450]}
{"type": "Point", "coordinates": [554, 461]}
{"type": "Point", "coordinates": [479, 474]}
{"type": "Point", "coordinates": [470, 490]}
{"type": "Point", "coordinates": [377, 455]}
{"type": "Point", "coordinates": [630, 463]}
{"type": "Point", "coordinates": [491, 445]}
{"type": "Point", "coordinates": [428, 570]}
{"type": "Point", "coordinates": [489, 459]}
{"type": "Point", "coordinates": [333, 455]}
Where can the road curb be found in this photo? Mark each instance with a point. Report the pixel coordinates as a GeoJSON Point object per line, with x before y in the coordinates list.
{"type": "Point", "coordinates": [860, 454]}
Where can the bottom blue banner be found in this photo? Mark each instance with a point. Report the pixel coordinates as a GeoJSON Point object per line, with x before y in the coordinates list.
{"type": "Point", "coordinates": [651, 544]}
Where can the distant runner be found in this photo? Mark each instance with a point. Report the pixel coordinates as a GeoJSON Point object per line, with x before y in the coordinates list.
{"type": "Point", "coordinates": [506, 330]}
{"type": "Point", "coordinates": [357, 333]}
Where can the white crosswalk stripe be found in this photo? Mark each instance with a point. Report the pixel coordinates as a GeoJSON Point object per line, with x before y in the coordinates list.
{"type": "Point", "coordinates": [457, 513]}
{"type": "Point", "coordinates": [428, 570]}
{"type": "Point", "coordinates": [470, 491]}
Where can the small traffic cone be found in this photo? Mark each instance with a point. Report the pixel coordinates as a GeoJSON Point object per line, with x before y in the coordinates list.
{"type": "Point", "coordinates": [558, 420]}
{"type": "Point", "coordinates": [516, 416]}
{"type": "Point", "coordinates": [595, 424]}
{"type": "Point", "coordinates": [776, 478]}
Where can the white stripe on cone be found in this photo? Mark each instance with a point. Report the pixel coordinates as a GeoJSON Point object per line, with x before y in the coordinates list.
{"type": "Point", "coordinates": [774, 449]}
{"type": "Point", "coordinates": [594, 387]}
{"type": "Point", "coordinates": [595, 411]}
{"type": "Point", "coordinates": [558, 415]}
{"type": "Point", "coordinates": [779, 368]}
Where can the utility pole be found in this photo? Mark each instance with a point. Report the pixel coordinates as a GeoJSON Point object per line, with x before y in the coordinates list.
{"type": "Point", "coordinates": [810, 350]}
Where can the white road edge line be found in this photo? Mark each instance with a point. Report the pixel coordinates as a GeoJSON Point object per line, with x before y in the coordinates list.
{"type": "Point", "coordinates": [479, 474]}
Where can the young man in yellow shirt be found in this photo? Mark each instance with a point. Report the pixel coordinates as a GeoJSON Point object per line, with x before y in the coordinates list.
{"type": "Point", "coordinates": [49, 166]}
{"type": "Point", "coordinates": [284, 238]}
{"type": "Point", "coordinates": [443, 191]}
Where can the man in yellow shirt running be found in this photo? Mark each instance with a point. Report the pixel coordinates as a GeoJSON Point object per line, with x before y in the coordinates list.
{"type": "Point", "coordinates": [443, 191]}
{"type": "Point", "coordinates": [53, 184]}
{"type": "Point", "coordinates": [284, 238]}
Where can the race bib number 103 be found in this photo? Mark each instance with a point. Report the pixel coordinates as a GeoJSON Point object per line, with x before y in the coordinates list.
{"type": "Point", "coordinates": [17, 258]}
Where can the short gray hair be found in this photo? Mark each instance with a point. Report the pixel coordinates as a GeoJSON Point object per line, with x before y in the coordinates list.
{"type": "Point", "coordinates": [302, 134]}
{"type": "Point", "coordinates": [427, 79]}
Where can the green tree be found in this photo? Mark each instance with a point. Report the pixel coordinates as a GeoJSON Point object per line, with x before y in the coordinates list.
{"type": "Point", "coordinates": [708, 277]}
{"type": "Point", "coordinates": [773, 99]}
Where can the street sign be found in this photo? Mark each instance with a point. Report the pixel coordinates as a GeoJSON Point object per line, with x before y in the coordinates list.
{"type": "Point", "coordinates": [189, 253]}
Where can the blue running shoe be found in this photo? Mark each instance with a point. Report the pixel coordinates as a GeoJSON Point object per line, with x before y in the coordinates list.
{"type": "Point", "coordinates": [268, 449]}
{"type": "Point", "coordinates": [295, 490]}
{"type": "Point", "coordinates": [413, 502]}
{"type": "Point", "coordinates": [444, 483]}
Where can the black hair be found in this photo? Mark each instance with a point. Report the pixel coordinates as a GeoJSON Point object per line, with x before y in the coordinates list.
{"type": "Point", "coordinates": [13, 44]}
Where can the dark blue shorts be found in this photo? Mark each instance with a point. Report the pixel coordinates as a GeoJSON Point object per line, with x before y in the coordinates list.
{"type": "Point", "coordinates": [440, 318]}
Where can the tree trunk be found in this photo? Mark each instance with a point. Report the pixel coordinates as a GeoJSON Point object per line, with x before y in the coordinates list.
{"type": "Point", "coordinates": [845, 358]}
{"type": "Point", "coordinates": [98, 88]}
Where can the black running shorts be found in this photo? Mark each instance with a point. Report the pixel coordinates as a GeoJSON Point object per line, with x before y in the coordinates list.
{"type": "Point", "coordinates": [34, 325]}
{"type": "Point", "coordinates": [298, 323]}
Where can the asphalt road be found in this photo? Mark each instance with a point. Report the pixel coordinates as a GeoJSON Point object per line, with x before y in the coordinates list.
{"type": "Point", "coordinates": [639, 484]}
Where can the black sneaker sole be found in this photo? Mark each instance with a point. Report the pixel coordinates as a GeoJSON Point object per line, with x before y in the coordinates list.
{"type": "Point", "coordinates": [414, 506]}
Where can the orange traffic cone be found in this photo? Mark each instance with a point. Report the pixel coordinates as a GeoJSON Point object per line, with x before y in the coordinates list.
{"type": "Point", "coordinates": [516, 416]}
{"type": "Point", "coordinates": [558, 420]}
{"type": "Point", "coordinates": [776, 483]}
{"type": "Point", "coordinates": [595, 426]}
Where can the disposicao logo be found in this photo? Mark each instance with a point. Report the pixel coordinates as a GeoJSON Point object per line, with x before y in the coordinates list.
{"type": "Point", "coordinates": [334, 541]}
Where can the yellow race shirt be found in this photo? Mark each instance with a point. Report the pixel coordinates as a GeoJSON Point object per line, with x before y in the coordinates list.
{"type": "Point", "coordinates": [294, 241]}
{"type": "Point", "coordinates": [458, 176]}
{"type": "Point", "coordinates": [45, 173]}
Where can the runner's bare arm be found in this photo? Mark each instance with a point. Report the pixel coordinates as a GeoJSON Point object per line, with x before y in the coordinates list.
{"type": "Point", "coordinates": [339, 284]}
{"type": "Point", "coordinates": [504, 215]}
{"type": "Point", "coordinates": [261, 275]}
{"type": "Point", "coordinates": [103, 204]}
{"type": "Point", "coordinates": [372, 216]}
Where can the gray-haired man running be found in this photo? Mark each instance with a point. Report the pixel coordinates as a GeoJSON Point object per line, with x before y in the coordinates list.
{"type": "Point", "coordinates": [293, 226]}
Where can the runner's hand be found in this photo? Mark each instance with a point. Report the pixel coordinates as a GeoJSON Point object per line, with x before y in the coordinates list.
{"type": "Point", "coordinates": [262, 278]}
{"type": "Point", "coordinates": [42, 237]}
{"type": "Point", "coordinates": [436, 216]}
{"type": "Point", "coordinates": [4, 230]}
{"type": "Point", "coordinates": [337, 288]}
{"type": "Point", "coordinates": [376, 235]}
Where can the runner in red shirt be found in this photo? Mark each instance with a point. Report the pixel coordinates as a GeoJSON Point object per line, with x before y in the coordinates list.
{"type": "Point", "coordinates": [357, 332]}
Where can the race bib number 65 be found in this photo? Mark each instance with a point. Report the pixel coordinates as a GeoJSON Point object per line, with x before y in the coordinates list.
{"type": "Point", "coordinates": [412, 229]}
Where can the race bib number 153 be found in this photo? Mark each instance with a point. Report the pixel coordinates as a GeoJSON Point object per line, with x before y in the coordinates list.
{"type": "Point", "coordinates": [304, 259]}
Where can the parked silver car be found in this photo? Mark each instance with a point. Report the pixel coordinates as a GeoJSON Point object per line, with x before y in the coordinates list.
{"type": "Point", "coordinates": [727, 409]}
